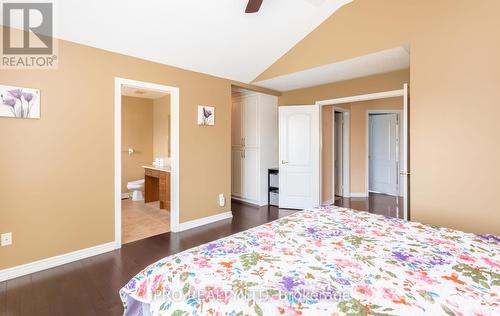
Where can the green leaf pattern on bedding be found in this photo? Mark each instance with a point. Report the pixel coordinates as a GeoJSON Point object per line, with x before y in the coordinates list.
{"type": "Point", "coordinates": [364, 264]}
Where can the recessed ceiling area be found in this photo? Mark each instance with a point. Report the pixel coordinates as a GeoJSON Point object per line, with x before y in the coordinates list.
{"type": "Point", "coordinates": [215, 37]}
{"type": "Point", "coordinates": [372, 64]}
{"type": "Point", "coordinates": [142, 93]}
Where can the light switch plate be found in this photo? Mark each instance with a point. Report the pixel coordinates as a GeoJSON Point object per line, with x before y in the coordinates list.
{"type": "Point", "coordinates": [6, 239]}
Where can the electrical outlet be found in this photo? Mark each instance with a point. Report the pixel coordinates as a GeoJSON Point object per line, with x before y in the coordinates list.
{"type": "Point", "coordinates": [222, 200]}
{"type": "Point", "coordinates": [6, 239]}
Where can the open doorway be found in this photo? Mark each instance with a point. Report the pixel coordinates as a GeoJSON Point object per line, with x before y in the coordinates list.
{"type": "Point", "coordinates": [146, 160]}
{"type": "Point", "coordinates": [341, 153]}
{"type": "Point", "coordinates": [335, 161]}
{"type": "Point", "coordinates": [145, 163]}
{"type": "Point", "coordinates": [376, 178]}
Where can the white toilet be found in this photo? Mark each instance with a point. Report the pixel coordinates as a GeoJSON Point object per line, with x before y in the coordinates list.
{"type": "Point", "coordinates": [137, 188]}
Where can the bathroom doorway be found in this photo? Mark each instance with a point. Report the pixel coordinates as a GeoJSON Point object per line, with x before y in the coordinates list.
{"type": "Point", "coordinates": [146, 160]}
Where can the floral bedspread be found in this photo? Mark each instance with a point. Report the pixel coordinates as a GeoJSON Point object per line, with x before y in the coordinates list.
{"type": "Point", "coordinates": [326, 261]}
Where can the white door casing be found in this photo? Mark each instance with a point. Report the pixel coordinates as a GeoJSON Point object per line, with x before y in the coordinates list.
{"type": "Point", "coordinates": [299, 150]}
{"type": "Point", "coordinates": [405, 139]}
{"type": "Point", "coordinates": [383, 153]}
{"type": "Point", "coordinates": [405, 171]}
{"type": "Point", "coordinates": [174, 92]}
{"type": "Point", "coordinates": [338, 154]}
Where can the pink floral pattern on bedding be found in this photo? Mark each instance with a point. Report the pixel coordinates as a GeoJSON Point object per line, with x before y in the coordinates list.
{"type": "Point", "coordinates": [359, 263]}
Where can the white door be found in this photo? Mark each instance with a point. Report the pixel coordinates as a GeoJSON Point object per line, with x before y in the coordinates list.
{"type": "Point", "coordinates": [383, 153]}
{"type": "Point", "coordinates": [299, 157]}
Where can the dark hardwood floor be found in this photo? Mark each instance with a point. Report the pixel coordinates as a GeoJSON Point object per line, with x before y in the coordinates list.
{"type": "Point", "coordinates": [376, 203]}
{"type": "Point", "coordinates": [90, 286]}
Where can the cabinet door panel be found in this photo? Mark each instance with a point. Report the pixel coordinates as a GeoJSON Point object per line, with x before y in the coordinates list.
{"type": "Point", "coordinates": [236, 124]}
{"type": "Point", "coordinates": [251, 121]}
{"type": "Point", "coordinates": [251, 174]}
{"type": "Point", "coordinates": [236, 172]}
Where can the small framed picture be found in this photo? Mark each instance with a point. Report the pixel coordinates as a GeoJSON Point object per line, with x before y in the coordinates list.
{"type": "Point", "coordinates": [206, 115]}
{"type": "Point", "coordinates": [19, 102]}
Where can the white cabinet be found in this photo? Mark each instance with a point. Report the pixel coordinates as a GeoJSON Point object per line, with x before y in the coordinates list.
{"type": "Point", "coordinates": [236, 138]}
{"type": "Point", "coordinates": [250, 179]}
{"type": "Point", "coordinates": [254, 133]}
{"type": "Point", "coordinates": [250, 121]}
{"type": "Point", "coordinates": [236, 171]}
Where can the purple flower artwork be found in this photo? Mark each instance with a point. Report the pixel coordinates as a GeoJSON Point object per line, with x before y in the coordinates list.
{"type": "Point", "coordinates": [19, 102]}
{"type": "Point", "coordinates": [206, 115]}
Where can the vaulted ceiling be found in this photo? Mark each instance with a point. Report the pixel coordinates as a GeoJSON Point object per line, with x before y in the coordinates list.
{"type": "Point", "coordinates": [210, 36]}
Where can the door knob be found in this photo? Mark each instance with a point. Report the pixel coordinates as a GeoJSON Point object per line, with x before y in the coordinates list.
{"type": "Point", "coordinates": [283, 162]}
{"type": "Point", "coordinates": [403, 173]}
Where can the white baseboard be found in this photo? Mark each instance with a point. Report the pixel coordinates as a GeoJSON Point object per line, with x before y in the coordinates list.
{"type": "Point", "coordinates": [52, 262]}
{"type": "Point", "coordinates": [359, 194]}
{"type": "Point", "coordinates": [253, 202]}
{"type": "Point", "coordinates": [397, 194]}
{"type": "Point", "coordinates": [204, 221]}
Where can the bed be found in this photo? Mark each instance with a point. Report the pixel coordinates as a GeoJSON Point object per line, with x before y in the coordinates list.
{"type": "Point", "coordinates": [326, 261]}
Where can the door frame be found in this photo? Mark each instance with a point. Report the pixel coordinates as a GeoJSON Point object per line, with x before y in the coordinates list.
{"type": "Point", "coordinates": [346, 152]}
{"type": "Point", "coordinates": [174, 151]}
{"type": "Point", "coordinates": [399, 147]}
{"type": "Point", "coordinates": [405, 118]}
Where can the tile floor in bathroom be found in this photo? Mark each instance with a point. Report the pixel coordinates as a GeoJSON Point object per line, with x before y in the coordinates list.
{"type": "Point", "coordinates": [142, 220]}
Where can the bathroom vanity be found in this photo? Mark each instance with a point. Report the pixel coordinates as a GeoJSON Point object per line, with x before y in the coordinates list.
{"type": "Point", "coordinates": [157, 185]}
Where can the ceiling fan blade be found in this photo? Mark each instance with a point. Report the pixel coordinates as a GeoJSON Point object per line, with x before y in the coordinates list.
{"type": "Point", "coordinates": [253, 6]}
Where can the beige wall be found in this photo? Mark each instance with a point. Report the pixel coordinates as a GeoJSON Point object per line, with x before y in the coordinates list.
{"type": "Point", "coordinates": [137, 133]}
{"type": "Point", "coordinates": [57, 173]}
{"type": "Point", "coordinates": [161, 127]}
{"type": "Point", "coordinates": [454, 98]}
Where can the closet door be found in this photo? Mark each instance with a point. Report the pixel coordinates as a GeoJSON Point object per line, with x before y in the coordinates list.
{"type": "Point", "coordinates": [236, 124]}
{"type": "Point", "coordinates": [237, 172]}
{"type": "Point", "coordinates": [250, 167]}
{"type": "Point", "coordinates": [250, 121]}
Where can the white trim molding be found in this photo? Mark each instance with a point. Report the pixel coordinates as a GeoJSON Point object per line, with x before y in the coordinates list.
{"type": "Point", "coordinates": [359, 194]}
{"type": "Point", "coordinates": [363, 97]}
{"type": "Point", "coordinates": [52, 262]}
{"type": "Point", "coordinates": [125, 195]}
{"type": "Point", "coordinates": [174, 150]}
{"type": "Point", "coordinates": [252, 202]}
{"type": "Point", "coordinates": [351, 99]}
{"type": "Point", "coordinates": [346, 151]}
{"type": "Point", "coordinates": [204, 221]}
